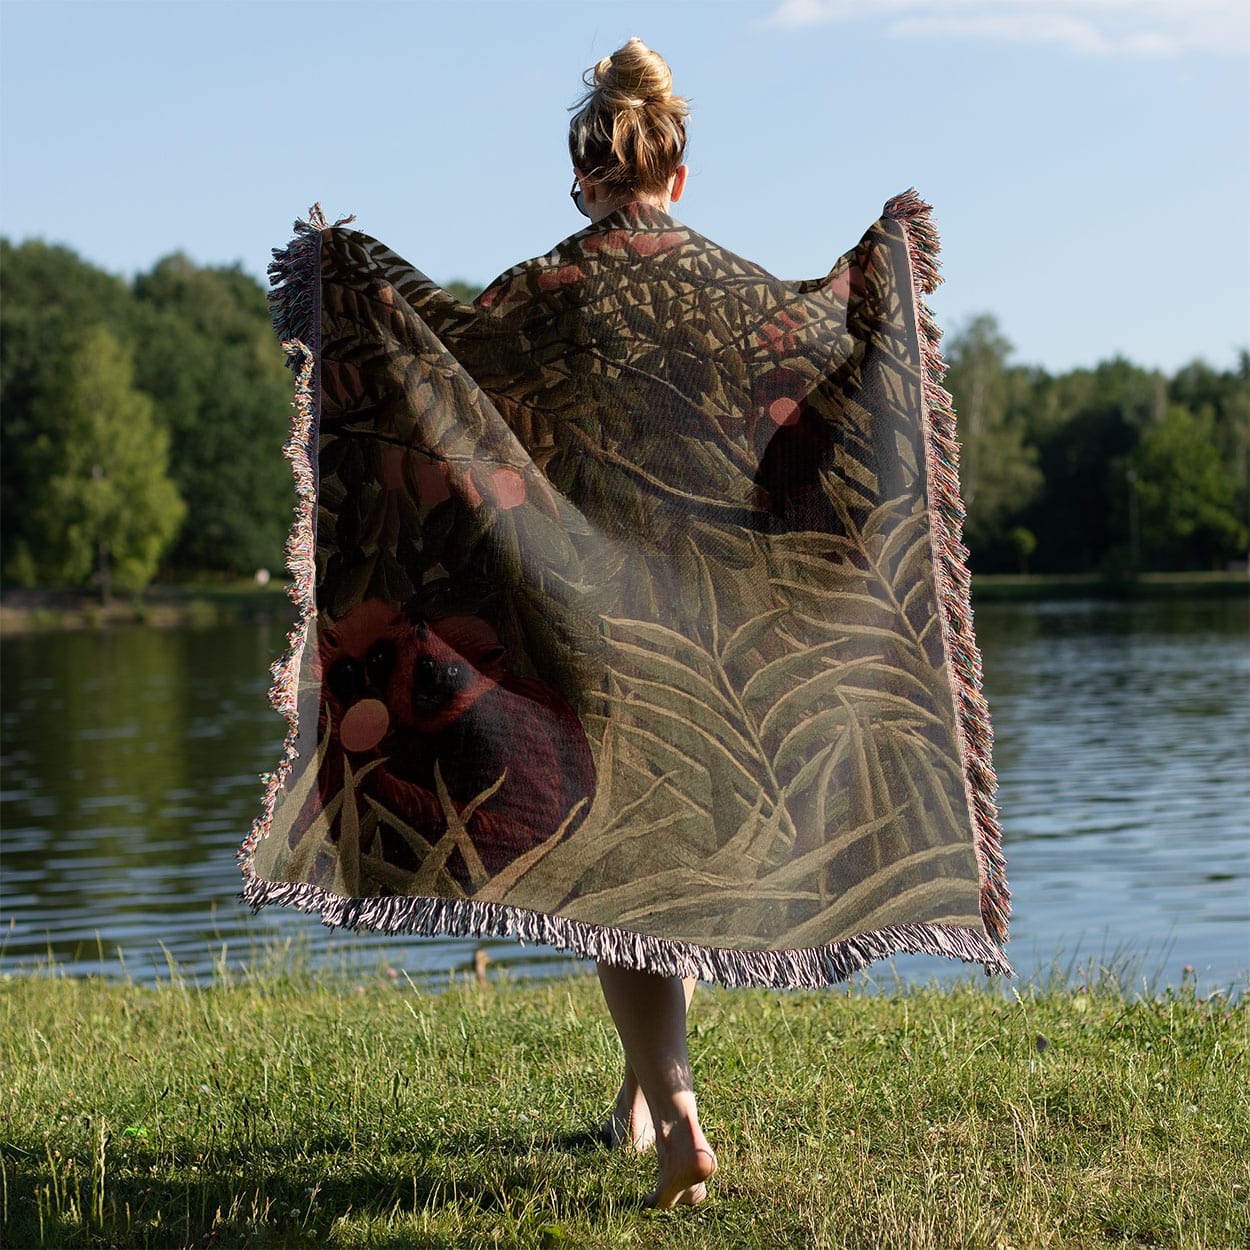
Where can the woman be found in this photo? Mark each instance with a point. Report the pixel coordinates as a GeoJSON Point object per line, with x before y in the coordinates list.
{"type": "Point", "coordinates": [628, 141]}
{"type": "Point", "coordinates": [634, 615]}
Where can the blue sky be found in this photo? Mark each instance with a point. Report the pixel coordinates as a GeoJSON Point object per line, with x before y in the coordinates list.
{"type": "Point", "coordinates": [1088, 160]}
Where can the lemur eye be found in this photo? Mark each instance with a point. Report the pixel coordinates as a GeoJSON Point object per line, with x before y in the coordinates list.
{"type": "Point", "coordinates": [346, 679]}
{"type": "Point", "coordinates": [379, 662]}
{"type": "Point", "coordinates": [454, 671]}
{"type": "Point", "coordinates": [426, 665]}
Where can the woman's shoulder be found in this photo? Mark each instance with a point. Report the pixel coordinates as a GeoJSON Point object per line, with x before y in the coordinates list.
{"type": "Point", "coordinates": [637, 243]}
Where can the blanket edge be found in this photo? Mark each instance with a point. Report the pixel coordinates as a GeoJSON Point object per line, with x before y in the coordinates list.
{"type": "Point", "coordinates": [294, 305]}
{"type": "Point", "coordinates": [800, 968]}
{"type": "Point", "coordinates": [954, 581]}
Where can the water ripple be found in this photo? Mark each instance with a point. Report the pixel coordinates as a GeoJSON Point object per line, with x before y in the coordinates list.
{"type": "Point", "coordinates": [1121, 734]}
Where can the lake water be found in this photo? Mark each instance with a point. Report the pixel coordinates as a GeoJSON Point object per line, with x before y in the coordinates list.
{"type": "Point", "coordinates": [130, 774]}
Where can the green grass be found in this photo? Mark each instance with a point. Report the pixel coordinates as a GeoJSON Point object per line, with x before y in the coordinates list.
{"type": "Point", "coordinates": [287, 1109]}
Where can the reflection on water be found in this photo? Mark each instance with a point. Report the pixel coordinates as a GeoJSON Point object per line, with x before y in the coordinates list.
{"type": "Point", "coordinates": [131, 760]}
{"type": "Point", "coordinates": [1123, 733]}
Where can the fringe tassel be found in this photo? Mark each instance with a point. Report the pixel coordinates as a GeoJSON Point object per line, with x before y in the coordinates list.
{"type": "Point", "coordinates": [300, 561]}
{"type": "Point", "coordinates": [954, 584]}
{"type": "Point", "coordinates": [783, 969]}
{"type": "Point", "coordinates": [295, 281]}
{"type": "Point", "coordinates": [295, 304]}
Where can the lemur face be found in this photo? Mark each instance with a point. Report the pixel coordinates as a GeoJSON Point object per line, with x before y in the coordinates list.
{"type": "Point", "coordinates": [389, 671]}
{"type": "Point", "coordinates": [444, 682]}
{"type": "Point", "coordinates": [436, 680]}
{"type": "Point", "coordinates": [351, 678]}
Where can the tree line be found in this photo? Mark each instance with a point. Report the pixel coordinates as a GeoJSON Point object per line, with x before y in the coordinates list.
{"type": "Point", "coordinates": [1113, 470]}
{"type": "Point", "coordinates": [142, 423]}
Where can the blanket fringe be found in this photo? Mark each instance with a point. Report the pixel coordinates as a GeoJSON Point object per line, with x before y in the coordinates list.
{"type": "Point", "coordinates": [810, 968]}
{"type": "Point", "coordinates": [294, 303]}
{"type": "Point", "coordinates": [954, 582]}
{"type": "Point", "coordinates": [295, 281]}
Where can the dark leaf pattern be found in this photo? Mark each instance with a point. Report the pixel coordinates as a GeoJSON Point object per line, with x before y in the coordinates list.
{"type": "Point", "coordinates": [626, 603]}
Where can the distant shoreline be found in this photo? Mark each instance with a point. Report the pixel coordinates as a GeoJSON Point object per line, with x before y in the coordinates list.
{"type": "Point", "coordinates": [195, 604]}
{"type": "Point", "coordinates": [1004, 587]}
{"type": "Point", "coordinates": [174, 605]}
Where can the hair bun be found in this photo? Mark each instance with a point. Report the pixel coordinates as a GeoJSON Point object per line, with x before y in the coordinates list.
{"type": "Point", "coordinates": [634, 76]}
{"type": "Point", "coordinates": [630, 129]}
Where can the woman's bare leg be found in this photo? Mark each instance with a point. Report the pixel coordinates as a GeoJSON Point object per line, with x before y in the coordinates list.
{"type": "Point", "coordinates": [650, 1015]}
{"type": "Point", "coordinates": [629, 1125]}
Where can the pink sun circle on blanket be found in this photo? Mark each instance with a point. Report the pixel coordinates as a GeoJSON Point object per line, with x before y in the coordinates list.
{"type": "Point", "coordinates": [364, 725]}
{"type": "Point", "coordinates": [784, 411]}
{"type": "Point", "coordinates": [509, 488]}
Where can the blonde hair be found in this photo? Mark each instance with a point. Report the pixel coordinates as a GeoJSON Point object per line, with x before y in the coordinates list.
{"type": "Point", "coordinates": [629, 131]}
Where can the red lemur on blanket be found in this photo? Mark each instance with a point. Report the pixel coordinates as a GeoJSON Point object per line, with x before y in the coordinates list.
{"type": "Point", "coordinates": [409, 692]}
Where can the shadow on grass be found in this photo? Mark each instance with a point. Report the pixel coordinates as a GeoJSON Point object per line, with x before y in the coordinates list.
{"type": "Point", "coordinates": [264, 1197]}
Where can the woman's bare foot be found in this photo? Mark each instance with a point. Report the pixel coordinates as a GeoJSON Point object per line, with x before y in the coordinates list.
{"type": "Point", "coordinates": [629, 1126]}
{"type": "Point", "coordinates": [686, 1165]}
{"type": "Point", "coordinates": [649, 1012]}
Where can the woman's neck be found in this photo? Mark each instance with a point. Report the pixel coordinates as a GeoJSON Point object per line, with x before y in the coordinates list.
{"type": "Point", "coordinates": [604, 208]}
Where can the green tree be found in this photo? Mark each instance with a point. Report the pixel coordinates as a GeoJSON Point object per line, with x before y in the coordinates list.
{"type": "Point", "coordinates": [1221, 397]}
{"type": "Point", "coordinates": [997, 467]}
{"type": "Point", "coordinates": [1024, 543]}
{"type": "Point", "coordinates": [50, 296]}
{"type": "Point", "coordinates": [208, 358]}
{"type": "Point", "coordinates": [465, 292]}
{"type": "Point", "coordinates": [1186, 495]}
{"type": "Point", "coordinates": [103, 504]}
{"type": "Point", "coordinates": [1086, 425]}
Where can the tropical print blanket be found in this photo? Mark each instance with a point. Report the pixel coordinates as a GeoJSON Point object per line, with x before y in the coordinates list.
{"type": "Point", "coordinates": [633, 613]}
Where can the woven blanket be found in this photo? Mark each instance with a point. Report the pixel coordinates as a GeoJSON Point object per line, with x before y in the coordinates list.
{"type": "Point", "coordinates": [633, 615]}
